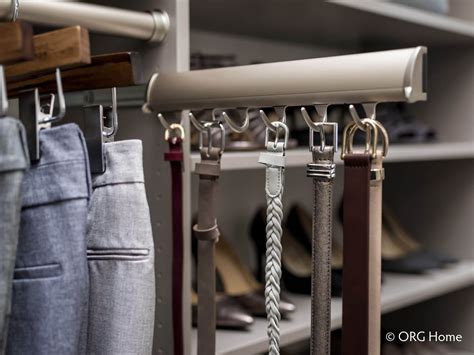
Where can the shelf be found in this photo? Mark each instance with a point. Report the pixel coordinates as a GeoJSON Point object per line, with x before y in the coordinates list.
{"type": "Point", "coordinates": [397, 153]}
{"type": "Point", "coordinates": [334, 23]}
{"type": "Point", "coordinates": [398, 291]}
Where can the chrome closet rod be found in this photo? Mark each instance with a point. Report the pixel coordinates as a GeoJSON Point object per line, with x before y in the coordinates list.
{"type": "Point", "coordinates": [386, 76]}
{"type": "Point", "coordinates": [150, 26]}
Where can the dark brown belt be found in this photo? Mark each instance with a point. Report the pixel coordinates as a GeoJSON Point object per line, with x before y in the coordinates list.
{"type": "Point", "coordinates": [322, 170]}
{"type": "Point", "coordinates": [175, 157]}
{"type": "Point", "coordinates": [207, 233]}
{"type": "Point", "coordinates": [355, 300]}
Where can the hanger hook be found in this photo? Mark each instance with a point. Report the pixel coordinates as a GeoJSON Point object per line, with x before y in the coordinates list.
{"type": "Point", "coordinates": [111, 131]}
{"type": "Point", "coordinates": [268, 122]}
{"type": "Point", "coordinates": [320, 111]}
{"type": "Point", "coordinates": [199, 126]}
{"type": "Point", "coordinates": [369, 112]}
{"type": "Point", "coordinates": [233, 126]}
{"type": "Point", "coordinates": [47, 118]}
{"type": "Point", "coordinates": [15, 9]}
{"type": "Point", "coordinates": [3, 94]}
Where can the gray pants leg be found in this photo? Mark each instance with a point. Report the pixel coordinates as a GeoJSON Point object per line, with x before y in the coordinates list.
{"type": "Point", "coordinates": [121, 257]}
{"type": "Point", "coordinates": [13, 162]}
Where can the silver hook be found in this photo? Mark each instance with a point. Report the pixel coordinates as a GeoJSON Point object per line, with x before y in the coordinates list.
{"type": "Point", "coordinates": [48, 118]}
{"type": "Point", "coordinates": [321, 112]}
{"type": "Point", "coordinates": [110, 131]}
{"type": "Point", "coordinates": [163, 121]}
{"type": "Point", "coordinates": [233, 126]}
{"type": "Point", "coordinates": [266, 120]}
{"type": "Point", "coordinates": [3, 94]}
{"type": "Point", "coordinates": [15, 9]}
{"type": "Point", "coordinates": [199, 126]}
{"type": "Point", "coordinates": [369, 109]}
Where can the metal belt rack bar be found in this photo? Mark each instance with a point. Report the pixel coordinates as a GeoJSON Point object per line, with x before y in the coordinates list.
{"type": "Point", "coordinates": [151, 26]}
{"type": "Point", "coordinates": [386, 76]}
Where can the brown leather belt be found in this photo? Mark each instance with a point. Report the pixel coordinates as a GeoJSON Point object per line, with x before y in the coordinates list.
{"type": "Point", "coordinates": [322, 170]}
{"type": "Point", "coordinates": [356, 312]}
{"type": "Point", "coordinates": [207, 233]}
{"type": "Point", "coordinates": [362, 254]}
{"type": "Point", "coordinates": [175, 157]}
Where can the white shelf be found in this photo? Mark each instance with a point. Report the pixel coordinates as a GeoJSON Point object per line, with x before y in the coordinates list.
{"type": "Point", "coordinates": [397, 153]}
{"type": "Point", "coordinates": [411, 15]}
{"type": "Point", "coordinates": [398, 291]}
{"type": "Point", "coordinates": [342, 23]}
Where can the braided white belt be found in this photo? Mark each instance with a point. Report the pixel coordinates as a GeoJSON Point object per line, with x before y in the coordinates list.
{"type": "Point", "coordinates": [274, 160]}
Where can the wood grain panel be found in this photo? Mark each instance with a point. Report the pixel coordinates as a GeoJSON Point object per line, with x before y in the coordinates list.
{"type": "Point", "coordinates": [64, 48]}
{"type": "Point", "coordinates": [16, 42]}
{"type": "Point", "coordinates": [105, 71]}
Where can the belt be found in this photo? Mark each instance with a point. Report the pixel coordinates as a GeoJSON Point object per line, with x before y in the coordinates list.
{"type": "Point", "coordinates": [322, 170]}
{"type": "Point", "coordinates": [175, 158]}
{"type": "Point", "coordinates": [274, 160]}
{"type": "Point", "coordinates": [375, 254]}
{"type": "Point", "coordinates": [207, 233]}
{"type": "Point", "coordinates": [356, 312]}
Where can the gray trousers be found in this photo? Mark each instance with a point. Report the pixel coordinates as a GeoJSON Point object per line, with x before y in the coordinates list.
{"type": "Point", "coordinates": [13, 161]}
{"type": "Point", "coordinates": [50, 287]}
{"type": "Point", "coordinates": [120, 256]}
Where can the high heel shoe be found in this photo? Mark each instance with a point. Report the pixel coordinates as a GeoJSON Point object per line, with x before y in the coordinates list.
{"type": "Point", "coordinates": [300, 223]}
{"type": "Point", "coordinates": [407, 243]}
{"type": "Point", "coordinates": [397, 259]}
{"type": "Point", "coordinates": [229, 313]}
{"type": "Point", "coordinates": [238, 282]}
{"type": "Point", "coordinates": [241, 284]}
{"type": "Point", "coordinates": [296, 258]}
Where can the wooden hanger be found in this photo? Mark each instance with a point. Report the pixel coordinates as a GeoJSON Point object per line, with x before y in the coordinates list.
{"type": "Point", "coordinates": [64, 48]}
{"type": "Point", "coordinates": [16, 42]}
{"type": "Point", "coordinates": [104, 71]}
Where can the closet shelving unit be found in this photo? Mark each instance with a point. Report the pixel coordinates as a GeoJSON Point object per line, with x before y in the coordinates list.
{"type": "Point", "coordinates": [398, 292]}
{"type": "Point", "coordinates": [416, 186]}
{"type": "Point", "coordinates": [430, 186]}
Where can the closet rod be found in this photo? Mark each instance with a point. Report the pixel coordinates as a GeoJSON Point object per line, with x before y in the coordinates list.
{"type": "Point", "coordinates": [387, 76]}
{"type": "Point", "coordinates": [151, 26]}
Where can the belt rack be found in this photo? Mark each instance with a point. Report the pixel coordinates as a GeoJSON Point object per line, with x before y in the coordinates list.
{"type": "Point", "coordinates": [367, 79]}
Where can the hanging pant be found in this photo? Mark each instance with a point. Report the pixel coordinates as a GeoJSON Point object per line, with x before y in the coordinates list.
{"type": "Point", "coordinates": [50, 286]}
{"type": "Point", "coordinates": [120, 256]}
{"type": "Point", "coordinates": [13, 162]}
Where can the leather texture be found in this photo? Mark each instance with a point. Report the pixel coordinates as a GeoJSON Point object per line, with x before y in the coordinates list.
{"type": "Point", "coordinates": [321, 251]}
{"type": "Point", "coordinates": [375, 258]}
{"type": "Point", "coordinates": [175, 158]}
{"type": "Point", "coordinates": [355, 291]}
{"type": "Point", "coordinates": [208, 170]}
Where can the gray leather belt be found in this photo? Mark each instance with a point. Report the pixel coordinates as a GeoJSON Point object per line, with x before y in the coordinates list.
{"type": "Point", "coordinates": [322, 170]}
{"type": "Point", "coordinates": [207, 233]}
